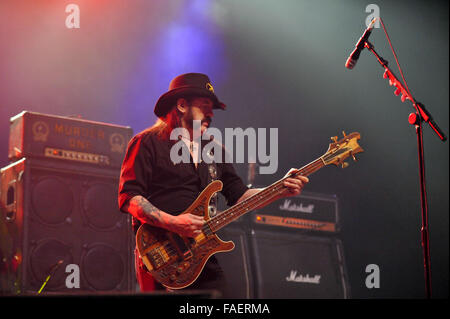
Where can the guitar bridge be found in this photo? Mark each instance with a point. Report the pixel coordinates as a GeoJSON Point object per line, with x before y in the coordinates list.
{"type": "Point", "coordinates": [158, 257]}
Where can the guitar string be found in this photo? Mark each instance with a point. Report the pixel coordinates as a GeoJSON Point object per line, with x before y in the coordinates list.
{"type": "Point", "coordinates": [169, 251]}
{"type": "Point", "coordinates": [273, 190]}
{"type": "Point", "coordinates": [222, 219]}
{"type": "Point", "coordinates": [207, 229]}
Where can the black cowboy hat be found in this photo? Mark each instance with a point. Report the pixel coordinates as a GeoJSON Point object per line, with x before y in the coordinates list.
{"type": "Point", "coordinates": [189, 84]}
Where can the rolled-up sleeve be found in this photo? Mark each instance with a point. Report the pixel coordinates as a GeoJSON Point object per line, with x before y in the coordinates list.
{"type": "Point", "coordinates": [136, 171]}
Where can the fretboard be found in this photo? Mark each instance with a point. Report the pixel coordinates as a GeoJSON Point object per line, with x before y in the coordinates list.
{"type": "Point", "coordinates": [265, 196]}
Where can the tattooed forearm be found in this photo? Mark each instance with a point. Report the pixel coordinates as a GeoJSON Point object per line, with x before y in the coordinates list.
{"type": "Point", "coordinates": [147, 209]}
{"type": "Point", "coordinates": [144, 211]}
{"type": "Point", "coordinates": [183, 224]}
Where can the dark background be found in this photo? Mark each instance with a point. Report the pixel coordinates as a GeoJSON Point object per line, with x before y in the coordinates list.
{"type": "Point", "coordinates": [275, 64]}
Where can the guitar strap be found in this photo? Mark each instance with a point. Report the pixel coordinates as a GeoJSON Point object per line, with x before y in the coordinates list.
{"type": "Point", "coordinates": [212, 176]}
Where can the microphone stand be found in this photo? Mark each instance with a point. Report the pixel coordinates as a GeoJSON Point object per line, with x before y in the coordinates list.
{"type": "Point", "coordinates": [416, 119]}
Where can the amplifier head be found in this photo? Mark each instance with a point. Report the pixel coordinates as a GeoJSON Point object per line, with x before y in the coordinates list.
{"type": "Point", "coordinates": [66, 138]}
{"type": "Point", "coordinates": [307, 211]}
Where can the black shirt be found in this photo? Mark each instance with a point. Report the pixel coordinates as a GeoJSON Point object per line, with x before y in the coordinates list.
{"type": "Point", "coordinates": [147, 170]}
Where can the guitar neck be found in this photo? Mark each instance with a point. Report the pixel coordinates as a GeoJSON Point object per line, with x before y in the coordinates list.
{"type": "Point", "coordinates": [265, 196]}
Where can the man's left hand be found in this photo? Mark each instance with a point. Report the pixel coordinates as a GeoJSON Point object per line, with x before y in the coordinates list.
{"type": "Point", "coordinates": [294, 184]}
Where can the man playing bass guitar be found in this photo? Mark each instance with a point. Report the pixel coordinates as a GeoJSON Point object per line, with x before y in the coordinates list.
{"type": "Point", "coordinates": [156, 191]}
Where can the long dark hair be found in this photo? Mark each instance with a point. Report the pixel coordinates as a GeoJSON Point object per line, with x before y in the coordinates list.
{"type": "Point", "coordinates": [164, 126]}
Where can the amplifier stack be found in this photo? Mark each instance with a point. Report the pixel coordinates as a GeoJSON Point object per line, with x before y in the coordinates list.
{"type": "Point", "coordinates": [58, 200]}
{"type": "Point", "coordinates": [289, 249]}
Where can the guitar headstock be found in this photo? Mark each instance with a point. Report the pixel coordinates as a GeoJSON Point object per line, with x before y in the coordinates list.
{"type": "Point", "coordinates": [338, 151]}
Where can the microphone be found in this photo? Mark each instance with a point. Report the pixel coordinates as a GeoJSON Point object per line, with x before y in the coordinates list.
{"type": "Point", "coordinates": [354, 56]}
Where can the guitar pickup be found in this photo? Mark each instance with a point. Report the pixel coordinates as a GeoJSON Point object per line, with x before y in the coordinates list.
{"type": "Point", "coordinates": [180, 246]}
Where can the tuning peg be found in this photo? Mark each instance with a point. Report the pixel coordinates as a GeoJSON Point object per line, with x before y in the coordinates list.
{"type": "Point", "coordinates": [344, 164]}
{"type": "Point", "coordinates": [334, 139]}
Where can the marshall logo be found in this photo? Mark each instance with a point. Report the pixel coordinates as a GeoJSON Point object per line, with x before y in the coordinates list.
{"type": "Point", "coordinates": [301, 278]}
{"type": "Point", "coordinates": [292, 207]}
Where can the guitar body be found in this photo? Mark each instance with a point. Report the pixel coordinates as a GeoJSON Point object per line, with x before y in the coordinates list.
{"type": "Point", "coordinates": [177, 261]}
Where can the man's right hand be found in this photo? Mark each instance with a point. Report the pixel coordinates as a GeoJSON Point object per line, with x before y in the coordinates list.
{"type": "Point", "coordinates": [187, 225]}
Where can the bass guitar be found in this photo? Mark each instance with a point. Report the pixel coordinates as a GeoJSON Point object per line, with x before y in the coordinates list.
{"type": "Point", "coordinates": [176, 262]}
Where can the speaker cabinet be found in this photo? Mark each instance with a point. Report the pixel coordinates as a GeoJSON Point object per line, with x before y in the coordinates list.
{"type": "Point", "coordinates": [58, 212]}
{"type": "Point", "coordinates": [236, 264]}
{"type": "Point", "coordinates": [293, 266]}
